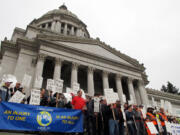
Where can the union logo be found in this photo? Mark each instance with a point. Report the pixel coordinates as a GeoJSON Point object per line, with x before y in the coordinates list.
{"type": "Point", "coordinates": [44, 118]}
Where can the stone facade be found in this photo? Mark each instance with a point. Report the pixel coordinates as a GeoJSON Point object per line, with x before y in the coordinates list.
{"type": "Point", "coordinates": [157, 96]}
{"type": "Point", "coordinates": [58, 45]}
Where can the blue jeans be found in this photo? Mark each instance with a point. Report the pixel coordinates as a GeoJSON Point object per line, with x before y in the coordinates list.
{"type": "Point", "coordinates": [113, 127]}
{"type": "Point", "coordinates": [121, 129]}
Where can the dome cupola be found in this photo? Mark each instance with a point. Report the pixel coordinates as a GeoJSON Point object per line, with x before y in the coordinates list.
{"type": "Point", "coordinates": [62, 21]}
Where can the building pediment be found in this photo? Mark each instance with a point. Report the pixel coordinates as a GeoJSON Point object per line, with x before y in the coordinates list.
{"type": "Point", "coordinates": [96, 50]}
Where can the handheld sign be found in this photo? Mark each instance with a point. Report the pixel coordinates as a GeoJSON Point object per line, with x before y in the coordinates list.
{"type": "Point", "coordinates": [109, 95]}
{"type": "Point", "coordinates": [50, 85]}
{"type": "Point", "coordinates": [58, 85]}
{"type": "Point", "coordinates": [68, 97]}
{"type": "Point", "coordinates": [26, 81]}
{"type": "Point", "coordinates": [69, 90]}
{"type": "Point", "coordinates": [116, 97]}
{"type": "Point", "coordinates": [76, 87]}
{"type": "Point", "coordinates": [152, 128]}
{"type": "Point", "coordinates": [168, 127]}
{"type": "Point", "coordinates": [17, 97]}
{"type": "Point", "coordinates": [35, 97]}
{"type": "Point", "coordinates": [96, 104]}
{"type": "Point", "coordinates": [38, 82]}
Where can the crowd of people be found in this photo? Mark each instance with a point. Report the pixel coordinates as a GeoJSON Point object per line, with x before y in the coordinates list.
{"type": "Point", "coordinates": [113, 119]}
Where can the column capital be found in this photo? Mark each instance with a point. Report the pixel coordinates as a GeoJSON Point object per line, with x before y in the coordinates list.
{"type": "Point", "coordinates": [41, 56]}
{"type": "Point", "coordinates": [119, 76]}
{"type": "Point", "coordinates": [140, 82]}
{"type": "Point", "coordinates": [130, 79]}
{"type": "Point", "coordinates": [75, 65]}
{"type": "Point", "coordinates": [90, 69]}
{"type": "Point", "coordinates": [58, 60]}
{"type": "Point", "coordinates": [105, 73]}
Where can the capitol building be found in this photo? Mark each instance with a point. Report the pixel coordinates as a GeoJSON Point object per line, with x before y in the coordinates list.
{"type": "Point", "coordinates": [58, 46]}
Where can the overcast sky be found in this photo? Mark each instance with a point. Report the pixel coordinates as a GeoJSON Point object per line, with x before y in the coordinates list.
{"type": "Point", "coordinates": [147, 30]}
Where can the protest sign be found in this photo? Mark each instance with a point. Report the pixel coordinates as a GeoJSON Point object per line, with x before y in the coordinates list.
{"type": "Point", "coordinates": [58, 85]}
{"type": "Point", "coordinates": [26, 81]}
{"type": "Point", "coordinates": [76, 87]}
{"type": "Point", "coordinates": [152, 128]}
{"type": "Point", "coordinates": [68, 96]}
{"type": "Point", "coordinates": [17, 97]}
{"type": "Point", "coordinates": [116, 97]}
{"type": "Point", "coordinates": [50, 85]}
{"type": "Point", "coordinates": [38, 82]}
{"type": "Point", "coordinates": [143, 112]}
{"type": "Point", "coordinates": [168, 127]}
{"type": "Point", "coordinates": [109, 95]}
{"type": "Point", "coordinates": [22, 117]}
{"type": "Point", "coordinates": [175, 129]}
{"type": "Point", "coordinates": [96, 104]}
{"type": "Point", "coordinates": [83, 94]}
{"type": "Point", "coordinates": [69, 90]}
{"type": "Point", "coordinates": [35, 97]}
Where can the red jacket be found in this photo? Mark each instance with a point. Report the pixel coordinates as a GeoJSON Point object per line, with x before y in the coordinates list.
{"type": "Point", "coordinates": [78, 103]}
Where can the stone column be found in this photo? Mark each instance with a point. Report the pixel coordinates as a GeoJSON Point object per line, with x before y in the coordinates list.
{"type": "Point", "coordinates": [65, 29]}
{"type": "Point", "coordinates": [53, 26]}
{"type": "Point", "coordinates": [40, 65]}
{"type": "Point", "coordinates": [72, 30]}
{"type": "Point", "coordinates": [74, 73]}
{"type": "Point", "coordinates": [119, 87]}
{"type": "Point", "coordinates": [58, 27]}
{"type": "Point", "coordinates": [57, 68]}
{"type": "Point", "coordinates": [131, 89]}
{"type": "Point", "coordinates": [143, 92]}
{"type": "Point", "coordinates": [90, 82]}
{"type": "Point", "coordinates": [105, 80]}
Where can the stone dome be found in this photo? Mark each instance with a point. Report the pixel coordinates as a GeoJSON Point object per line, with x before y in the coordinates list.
{"type": "Point", "coordinates": [62, 21]}
{"type": "Point", "coordinates": [61, 11]}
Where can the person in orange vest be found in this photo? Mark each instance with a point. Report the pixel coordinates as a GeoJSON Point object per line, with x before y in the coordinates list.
{"type": "Point", "coordinates": [151, 117]}
{"type": "Point", "coordinates": [163, 118]}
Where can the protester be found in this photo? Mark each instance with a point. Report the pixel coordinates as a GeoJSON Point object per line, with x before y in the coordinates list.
{"type": "Point", "coordinates": [60, 100]}
{"type": "Point", "coordinates": [130, 121]}
{"type": "Point", "coordinates": [51, 99]}
{"type": "Point", "coordinates": [163, 118]}
{"type": "Point", "coordinates": [113, 119]}
{"type": "Point", "coordinates": [104, 111]}
{"type": "Point", "coordinates": [78, 102]}
{"type": "Point", "coordinates": [17, 87]}
{"type": "Point", "coordinates": [121, 119]}
{"type": "Point", "coordinates": [138, 120]}
{"type": "Point", "coordinates": [5, 92]}
{"type": "Point", "coordinates": [151, 117]}
{"type": "Point", "coordinates": [43, 98]}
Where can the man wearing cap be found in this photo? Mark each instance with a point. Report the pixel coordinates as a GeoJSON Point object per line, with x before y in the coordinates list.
{"type": "Point", "coordinates": [5, 92]}
{"type": "Point", "coordinates": [151, 117]}
{"type": "Point", "coordinates": [163, 118]}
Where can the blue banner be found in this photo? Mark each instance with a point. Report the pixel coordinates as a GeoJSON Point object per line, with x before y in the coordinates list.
{"type": "Point", "coordinates": [21, 117]}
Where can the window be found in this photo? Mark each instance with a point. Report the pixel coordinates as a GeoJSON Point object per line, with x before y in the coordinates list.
{"type": "Point", "coordinates": [69, 29]}
{"type": "Point", "coordinates": [62, 28]}
{"type": "Point", "coordinates": [43, 25]}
